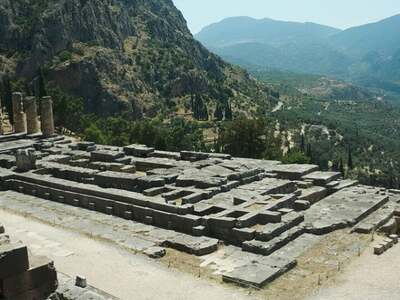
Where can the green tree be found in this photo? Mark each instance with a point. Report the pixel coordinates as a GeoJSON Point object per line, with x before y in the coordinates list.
{"type": "Point", "coordinates": [350, 160]}
{"type": "Point", "coordinates": [335, 166]}
{"type": "Point", "coordinates": [94, 134]}
{"type": "Point", "coordinates": [341, 166]}
{"type": "Point", "coordinates": [41, 86]}
{"type": "Point", "coordinates": [68, 111]}
{"type": "Point", "coordinates": [295, 156]}
{"type": "Point", "coordinates": [228, 111]}
{"type": "Point", "coordinates": [218, 115]}
{"type": "Point", "coordinates": [7, 98]}
{"type": "Point", "coordinates": [244, 138]}
{"type": "Point", "coordinates": [302, 144]}
{"type": "Point", "coordinates": [309, 152]}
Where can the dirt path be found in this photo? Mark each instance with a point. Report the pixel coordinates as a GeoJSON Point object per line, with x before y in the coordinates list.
{"type": "Point", "coordinates": [110, 268]}
{"type": "Point", "coordinates": [368, 277]}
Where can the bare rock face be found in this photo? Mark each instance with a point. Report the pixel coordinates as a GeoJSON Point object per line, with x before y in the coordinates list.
{"type": "Point", "coordinates": [132, 56]}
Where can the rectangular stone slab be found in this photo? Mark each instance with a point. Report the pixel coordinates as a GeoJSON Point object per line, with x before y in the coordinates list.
{"type": "Point", "coordinates": [294, 171]}
{"type": "Point", "coordinates": [322, 178]}
{"type": "Point", "coordinates": [343, 209]}
{"type": "Point", "coordinates": [116, 179]}
{"type": "Point", "coordinates": [106, 156]}
{"type": "Point", "coordinates": [256, 274]}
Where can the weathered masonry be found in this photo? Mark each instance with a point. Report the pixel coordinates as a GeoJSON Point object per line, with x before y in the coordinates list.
{"type": "Point", "coordinates": [193, 202]}
{"type": "Point", "coordinates": [25, 113]}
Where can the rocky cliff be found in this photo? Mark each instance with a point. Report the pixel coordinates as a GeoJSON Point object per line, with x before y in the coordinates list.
{"type": "Point", "coordinates": [133, 56]}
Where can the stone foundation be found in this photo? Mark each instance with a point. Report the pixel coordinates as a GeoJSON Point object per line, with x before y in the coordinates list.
{"type": "Point", "coordinates": [194, 201]}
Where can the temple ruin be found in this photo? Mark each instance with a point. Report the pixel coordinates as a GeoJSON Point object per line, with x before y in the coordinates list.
{"type": "Point", "coordinates": [266, 212]}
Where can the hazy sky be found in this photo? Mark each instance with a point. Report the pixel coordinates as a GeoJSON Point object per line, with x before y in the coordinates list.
{"type": "Point", "coordinates": [337, 13]}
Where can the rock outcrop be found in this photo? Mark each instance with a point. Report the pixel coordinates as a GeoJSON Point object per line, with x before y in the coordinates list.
{"type": "Point", "coordinates": [134, 56]}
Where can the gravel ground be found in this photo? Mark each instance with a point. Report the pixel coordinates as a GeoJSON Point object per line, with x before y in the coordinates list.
{"type": "Point", "coordinates": [130, 276]}
{"type": "Point", "coordinates": [110, 268]}
{"type": "Point", "coordinates": [368, 277]}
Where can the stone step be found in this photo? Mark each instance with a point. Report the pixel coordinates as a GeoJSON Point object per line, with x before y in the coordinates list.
{"type": "Point", "coordinates": [267, 248]}
{"type": "Point", "coordinates": [272, 230]}
{"type": "Point", "coordinates": [375, 220]}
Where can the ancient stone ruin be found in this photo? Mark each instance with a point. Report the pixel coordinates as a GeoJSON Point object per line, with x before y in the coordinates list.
{"type": "Point", "coordinates": [23, 276]}
{"type": "Point", "coordinates": [25, 114]}
{"type": "Point", "coordinates": [265, 213]}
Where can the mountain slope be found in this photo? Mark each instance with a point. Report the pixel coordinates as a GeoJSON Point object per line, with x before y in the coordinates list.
{"type": "Point", "coordinates": [134, 56]}
{"type": "Point", "coordinates": [239, 30]}
{"type": "Point", "coordinates": [299, 47]}
{"type": "Point", "coordinates": [382, 37]}
{"type": "Point", "coordinates": [365, 54]}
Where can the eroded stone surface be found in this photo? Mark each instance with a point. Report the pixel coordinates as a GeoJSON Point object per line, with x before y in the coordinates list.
{"type": "Point", "coordinates": [141, 199]}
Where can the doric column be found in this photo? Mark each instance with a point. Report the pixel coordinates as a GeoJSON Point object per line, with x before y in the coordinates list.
{"type": "Point", "coordinates": [1, 119]}
{"type": "Point", "coordinates": [31, 115]}
{"type": "Point", "coordinates": [46, 116]}
{"type": "Point", "coordinates": [18, 112]}
{"type": "Point", "coordinates": [1, 122]}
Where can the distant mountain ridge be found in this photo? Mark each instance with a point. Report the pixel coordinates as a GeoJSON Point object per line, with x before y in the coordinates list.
{"type": "Point", "coordinates": [382, 37]}
{"type": "Point", "coordinates": [238, 30]}
{"type": "Point", "coordinates": [365, 54]}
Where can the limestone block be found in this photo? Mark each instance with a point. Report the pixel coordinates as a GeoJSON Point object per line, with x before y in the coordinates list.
{"type": "Point", "coordinates": [390, 227]}
{"type": "Point", "coordinates": [301, 205]}
{"type": "Point", "coordinates": [155, 252]}
{"type": "Point", "coordinates": [193, 156]}
{"type": "Point", "coordinates": [388, 243]}
{"type": "Point", "coordinates": [394, 238]}
{"type": "Point", "coordinates": [80, 281]}
{"type": "Point", "coordinates": [13, 259]}
{"type": "Point", "coordinates": [26, 160]}
{"type": "Point", "coordinates": [138, 150]}
{"type": "Point", "coordinates": [106, 155]}
{"type": "Point", "coordinates": [148, 182]}
{"type": "Point", "coordinates": [40, 276]}
{"type": "Point", "coordinates": [83, 146]}
{"type": "Point", "coordinates": [198, 230]}
{"type": "Point", "coordinates": [379, 249]}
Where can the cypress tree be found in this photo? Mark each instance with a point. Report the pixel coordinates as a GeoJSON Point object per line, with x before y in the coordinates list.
{"type": "Point", "coordinates": [341, 166]}
{"type": "Point", "coordinates": [309, 152]}
{"type": "Point", "coordinates": [350, 160]}
{"type": "Point", "coordinates": [302, 144]}
{"type": "Point", "coordinates": [41, 85]}
{"type": "Point", "coordinates": [218, 115]}
{"type": "Point", "coordinates": [335, 166]}
{"type": "Point", "coordinates": [7, 98]}
{"type": "Point", "coordinates": [228, 111]}
{"type": "Point", "coordinates": [200, 111]}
